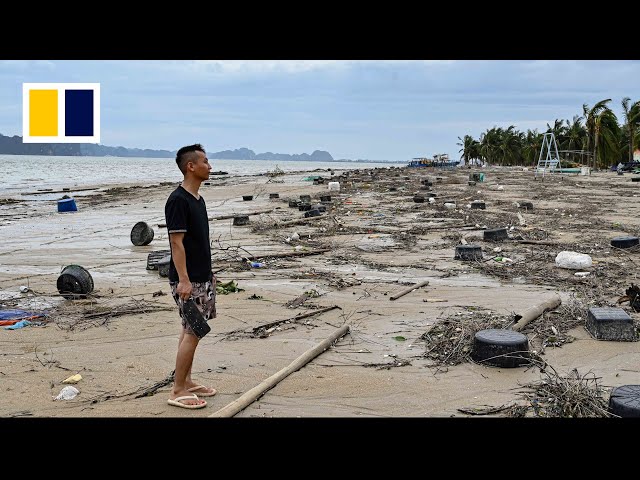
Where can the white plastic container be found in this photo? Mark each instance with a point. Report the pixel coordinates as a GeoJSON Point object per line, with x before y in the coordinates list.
{"type": "Point", "coordinates": [585, 170]}
{"type": "Point", "coordinates": [334, 186]}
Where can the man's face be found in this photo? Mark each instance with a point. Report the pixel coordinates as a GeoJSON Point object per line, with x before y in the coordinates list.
{"type": "Point", "coordinates": [201, 167]}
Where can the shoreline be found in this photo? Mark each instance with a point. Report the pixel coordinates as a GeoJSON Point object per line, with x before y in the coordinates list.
{"type": "Point", "coordinates": [376, 242]}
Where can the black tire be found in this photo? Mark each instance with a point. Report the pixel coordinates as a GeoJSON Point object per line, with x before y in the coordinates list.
{"type": "Point", "coordinates": [624, 242]}
{"type": "Point", "coordinates": [625, 401]}
{"type": "Point", "coordinates": [500, 348]}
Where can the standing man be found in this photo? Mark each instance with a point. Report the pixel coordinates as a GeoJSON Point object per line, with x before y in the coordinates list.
{"type": "Point", "coordinates": [190, 272]}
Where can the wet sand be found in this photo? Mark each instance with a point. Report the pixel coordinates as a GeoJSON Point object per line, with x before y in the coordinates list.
{"type": "Point", "coordinates": [370, 255]}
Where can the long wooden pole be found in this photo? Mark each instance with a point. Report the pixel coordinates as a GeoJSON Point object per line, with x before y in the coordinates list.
{"type": "Point", "coordinates": [256, 392]}
{"type": "Point", "coordinates": [301, 253]}
{"type": "Point", "coordinates": [409, 290]}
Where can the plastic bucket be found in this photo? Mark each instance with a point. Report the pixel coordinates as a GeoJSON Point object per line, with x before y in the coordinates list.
{"type": "Point", "coordinates": [74, 282]}
{"type": "Point", "coordinates": [141, 234]}
{"type": "Point", "coordinates": [67, 205]}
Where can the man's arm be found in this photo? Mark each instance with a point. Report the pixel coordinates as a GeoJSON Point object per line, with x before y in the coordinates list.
{"type": "Point", "coordinates": [179, 257]}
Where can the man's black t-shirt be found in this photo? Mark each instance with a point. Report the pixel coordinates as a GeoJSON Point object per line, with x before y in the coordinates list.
{"type": "Point", "coordinates": [185, 214]}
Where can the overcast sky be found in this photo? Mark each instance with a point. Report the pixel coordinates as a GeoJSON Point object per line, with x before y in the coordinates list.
{"type": "Point", "coordinates": [377, 110]}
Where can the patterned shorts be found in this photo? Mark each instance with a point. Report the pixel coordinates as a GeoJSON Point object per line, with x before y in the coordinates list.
{"type": "Point", "coordinates": [204, 294]}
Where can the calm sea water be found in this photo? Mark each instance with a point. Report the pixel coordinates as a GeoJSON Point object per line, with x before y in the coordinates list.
{"type": "Point", "coordinates": [26, 173]}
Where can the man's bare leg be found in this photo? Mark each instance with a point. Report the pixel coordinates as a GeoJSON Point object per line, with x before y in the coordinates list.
{"type": "Point", "coordinates": [184, 360]}
{"type": "Point", "coordinates": [189, 383]}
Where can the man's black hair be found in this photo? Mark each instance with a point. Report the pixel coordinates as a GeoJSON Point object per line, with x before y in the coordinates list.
{"type": "Point", "coordinates": [188, 154]}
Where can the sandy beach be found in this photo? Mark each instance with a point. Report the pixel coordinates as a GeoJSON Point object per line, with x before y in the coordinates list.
{"type": "Point", "coordinates": [378, 242]}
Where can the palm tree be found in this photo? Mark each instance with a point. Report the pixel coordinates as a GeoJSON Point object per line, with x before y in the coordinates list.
{"type": "Point", "coordinates": [576, 135]}
{"type": "Point", "coordinates": [531, 144]}
{"type": "Point", "coordinates": [631, 121]}
{"type": "Point", "coordinates": [509, 145]}
{"type": "Point", "coordinates": [559, 131]}
{"type": "Point", "coordinates": [593, 123]}
{"type": "Point", "coordinates": [489, 144]}
{"type": "Point", "coordinates": [469, 148]}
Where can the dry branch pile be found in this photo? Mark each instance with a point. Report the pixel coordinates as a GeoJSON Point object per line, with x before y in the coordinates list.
{"type": "Point", "coordinates": [72, 316]}
{"type": "Point", "coordinates": [450, 341]}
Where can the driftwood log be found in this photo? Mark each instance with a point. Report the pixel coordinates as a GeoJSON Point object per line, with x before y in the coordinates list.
{"type": "Point", "coordinates": [409, 290]}
{"type": "Point", "coordinates": [256, 392]}
{"type": "Point", "coordinates": [534, 312]}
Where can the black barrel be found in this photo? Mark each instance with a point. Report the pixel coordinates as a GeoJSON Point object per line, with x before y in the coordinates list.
{"type": "Point", "coordinates": [312, 213]}
{"type": "Point", "coordinates": [247, 198]}
{"type": "Point", "coordinates": [418, 199]}
{"type": "Point", "coordinates": [74, 282]}
{"type": "Point", "coordinates": [141, 234]}
{"type": "Point", "coordinates": [274, 195]}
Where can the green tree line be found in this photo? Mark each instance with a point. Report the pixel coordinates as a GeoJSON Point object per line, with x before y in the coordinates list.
{"type": "Point", "coordinates": [595, 139]}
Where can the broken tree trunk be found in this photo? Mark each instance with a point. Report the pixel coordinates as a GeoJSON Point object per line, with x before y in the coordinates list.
{"type": "Point", "coordinates": [409, 290]}
{"type": "Point", "coordinates": [256, 392]}
{"type": "Point", "coordinates": [534, 312]}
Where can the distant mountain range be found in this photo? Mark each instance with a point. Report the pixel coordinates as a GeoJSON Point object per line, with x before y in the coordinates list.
{"type": "Point", "coordinates": [14, 146]}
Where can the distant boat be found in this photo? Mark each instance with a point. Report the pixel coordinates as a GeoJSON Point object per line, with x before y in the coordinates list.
{"type": "Point", "coordinates": [219, 173]}
{"type": "Point", "coordinates": [439, 160]}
